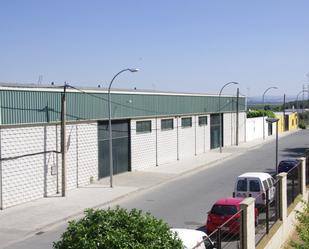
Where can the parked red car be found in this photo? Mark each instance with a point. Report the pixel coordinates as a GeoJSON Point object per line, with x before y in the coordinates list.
{"type": "Point", "coordinates": [222, 211]}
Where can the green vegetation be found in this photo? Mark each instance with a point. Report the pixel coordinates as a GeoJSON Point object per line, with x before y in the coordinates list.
{"type": "Point", "coordinates": [302, 229]}
{"type": "Point", "coordinates": [118, 229]}
{"type": "Point", "coordinates": [259, 113]}
{"type": "Point", "coordinates": [302, 124]}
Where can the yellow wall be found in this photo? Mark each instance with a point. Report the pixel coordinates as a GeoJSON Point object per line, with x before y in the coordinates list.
{"type": "Point", "coordinates": [293, 121]}
{"type": "Point", "coordinates": [280, 123]}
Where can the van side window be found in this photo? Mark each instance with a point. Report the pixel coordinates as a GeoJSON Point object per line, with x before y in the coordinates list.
{"type": "Point", "coordinates": [265, 184]}
{"type": "Point", "coordinates": [242, 185]}
{"type": "Point", "coordinates": [254, 186]}
{"type": "Point", "coordinates": [270, 183]}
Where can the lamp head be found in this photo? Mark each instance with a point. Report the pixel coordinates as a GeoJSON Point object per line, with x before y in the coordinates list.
{"type": "Point", "coordinates": [133, 70]}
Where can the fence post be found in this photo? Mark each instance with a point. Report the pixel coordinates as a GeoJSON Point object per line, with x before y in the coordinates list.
{"type": "Point", "coordinates": [283, 196]}
{"type": "Point", "coordinates": [219, 238]}
{"type": "Point", "coordinates": [248, 231]}
{"type": "Point", "coordinates": [303, 176]}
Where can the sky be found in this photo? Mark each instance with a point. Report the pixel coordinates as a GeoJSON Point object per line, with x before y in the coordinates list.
{"type": "Point", "coordinates": [182, 46]}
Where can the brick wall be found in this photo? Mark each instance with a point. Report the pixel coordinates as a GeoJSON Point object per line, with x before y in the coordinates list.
{"type": "Point", "coordinates": [143, 147]}
{"type": "Point", "coordinates": [167, 143]}
{"type": "Point", "coordinates": [26, 178]}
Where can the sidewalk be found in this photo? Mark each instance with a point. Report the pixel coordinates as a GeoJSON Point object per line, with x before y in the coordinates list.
{"type": "Point", "coordinates": [22, 221]}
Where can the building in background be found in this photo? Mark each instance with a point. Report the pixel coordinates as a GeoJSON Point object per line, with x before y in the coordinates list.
{"type": "Point", "coordinates": [150, 128]}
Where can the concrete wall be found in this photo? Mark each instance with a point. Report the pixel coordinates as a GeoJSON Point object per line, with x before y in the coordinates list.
{"type": "Point", "coordinates": [143, 146]}
{"type": "Point", "coordinates": [186, 136]}
{"type": "Point", "coordinates": [29, 170]}
{"type": "Point", "coordinates": [165, 146]}
{"type": "Point", "coordinates": [254, 128]}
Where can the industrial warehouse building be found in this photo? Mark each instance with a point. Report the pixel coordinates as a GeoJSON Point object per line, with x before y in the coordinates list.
{"type": "Point", "coordinates": [149, 129]}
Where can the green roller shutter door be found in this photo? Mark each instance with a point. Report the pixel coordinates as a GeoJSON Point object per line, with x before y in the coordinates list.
{"type": "Point", "coordinates": [121, 147]}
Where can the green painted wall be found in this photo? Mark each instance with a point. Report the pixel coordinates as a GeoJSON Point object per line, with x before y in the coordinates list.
{"type": "Point", "coordinates": [27, 107]}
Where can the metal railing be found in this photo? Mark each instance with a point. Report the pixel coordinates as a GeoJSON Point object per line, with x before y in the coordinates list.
{"type": "Point", "coordinates": [293, 184]}
{"type": "Point", "coordinates": [230, 233]}
{"type": "Point", "coordinates": [267, 214]}
{"type": "Point", "coordinates": [307, 166]}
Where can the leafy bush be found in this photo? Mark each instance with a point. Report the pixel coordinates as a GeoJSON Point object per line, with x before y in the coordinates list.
{"type": "Point", "coordinates": [302, 124]}
{"type": "Point", "coordinates": [118, 229]}
{"type": "Point", "coordinates": [302, 229]}
{"type": "Point", "coordinates": [259, 113]}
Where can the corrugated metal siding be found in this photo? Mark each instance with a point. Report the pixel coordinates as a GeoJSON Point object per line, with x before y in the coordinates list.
{"type": "Point", "coordinates": [26, 107]}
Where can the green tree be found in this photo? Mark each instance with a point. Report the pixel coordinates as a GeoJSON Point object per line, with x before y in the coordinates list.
{"type": "Point", "coordinates": [118, 229]}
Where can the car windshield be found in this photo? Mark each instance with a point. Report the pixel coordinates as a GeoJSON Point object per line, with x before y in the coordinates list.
{"type": "Point", "coordinates": [224, 210]}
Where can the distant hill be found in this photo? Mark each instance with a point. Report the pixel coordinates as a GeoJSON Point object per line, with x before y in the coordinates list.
{"type": "Point", "coordinates": [271, 99]}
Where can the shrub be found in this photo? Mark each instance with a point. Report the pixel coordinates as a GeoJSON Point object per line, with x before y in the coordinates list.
{"type": "Point", "coordinates": [301, 124]}
{"type": "Point", "coordinates": [259, 113]}
{"type": "Point", "coordinates": [302, 229]}
{"type": "Point", "coordinates": [117, 229]}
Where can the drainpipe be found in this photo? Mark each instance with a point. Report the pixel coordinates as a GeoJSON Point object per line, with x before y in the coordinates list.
{"type": "Point", "coordinates": [156, 141]}
{"type": "Point", "coordinates": [57, 161]}
{"type": "Point", "coordinates": [1, 190]}
{"type": "Point", "coordinates": [177, 138]}
{"type": "Point", "coordinates": [195, 136]}
{"type": "Point", "coordinates": [77, 166]}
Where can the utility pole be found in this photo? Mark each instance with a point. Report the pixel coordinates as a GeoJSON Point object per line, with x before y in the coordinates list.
{"type": "Point", "coordinates": [283, 112]}
{"type": "Point", "coordinates": [63, 140]}
{"type": "Point", "coordinates": [237, 116]}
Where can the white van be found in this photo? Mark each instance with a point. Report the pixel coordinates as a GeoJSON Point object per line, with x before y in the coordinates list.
{"type": "Point", "coordinates": [255, 184]}
{"type": "Point", "coordinates": [193, 239]}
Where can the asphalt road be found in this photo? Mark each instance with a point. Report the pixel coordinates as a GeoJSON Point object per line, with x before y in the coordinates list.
{"type": "Point", "coordinates": [184, 203]}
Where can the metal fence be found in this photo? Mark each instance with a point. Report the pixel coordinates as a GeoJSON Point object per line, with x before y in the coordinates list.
{"type": "Point", "coordinates": [229, 234]}
{"type": "Point", "coordinates": [293, 184]}
{"type": "Point", "coordinates": [268, 213]}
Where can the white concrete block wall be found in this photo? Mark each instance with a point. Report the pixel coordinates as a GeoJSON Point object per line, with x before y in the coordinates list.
{"type": "Point", "coordinates": [167, 143]}
{"type": "Point", "coordinates": [71, 157]}
{"type": "Point", "coordinates": [254, 128]}
{"type": "Point", "coordinates": [87, 153]}
{"type": "Point", "coordinates": [229, 125]}
{"type": "Point", "coordinates": [28, 178]}
{"type": "Point", "coordinates": [143, 146]}
{"type": "Point", "coordinates": [242, 127]}
{"type": "Point", "coordinates": [50, 159]}
{"type": "Point", "coordinates": [186, 137]}
{"type": "Point", "coordinates": [203, 136]}
{"type": "Point", "coordinates": [22, 178]}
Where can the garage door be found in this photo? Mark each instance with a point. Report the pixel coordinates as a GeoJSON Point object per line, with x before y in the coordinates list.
{"type": "Point", "coordinates": [121, 147]}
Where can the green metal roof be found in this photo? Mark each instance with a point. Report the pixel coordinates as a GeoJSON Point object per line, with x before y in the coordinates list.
{"type": "Point", "coordinates": [28, 105]}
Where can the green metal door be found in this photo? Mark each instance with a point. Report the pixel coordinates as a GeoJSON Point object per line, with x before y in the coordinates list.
{"type": "Point", "coordinates": [121, 147]}
{"type": "Point", "coordinates": [215, 130]}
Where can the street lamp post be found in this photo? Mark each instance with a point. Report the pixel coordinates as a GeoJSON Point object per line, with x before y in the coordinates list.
{"type": "Point", "coordinates": [302, 91]}
{"type": "Point", "coordinates": [132, 70]}
{"type": "Point", "coordinates": [229, 83]}
{"type": "Point", "coordinates": [272, 87]}
{"type": "Point", "coordinates": [271, 121]}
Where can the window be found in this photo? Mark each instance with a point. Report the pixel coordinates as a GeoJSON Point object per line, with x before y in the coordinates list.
{"type": "Point", "coordinates": [270, 183]}
{"type": "Point", "coordinates": [224, 210]}
{"type": "Point", "coordinates": [167, 124]}
{"type": "Point", "coordinates": [265, 184]}
{"type": "Point", "coordinates": [143, 126]}
{"type": "Point", "coordinates": [254, 186]}
{"type": "Point", "coordinates": [202, 120]}
{"type": "Point", "coordinates": [242, 185]}
{"type": "Point", "coordinates": [186, 122]}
